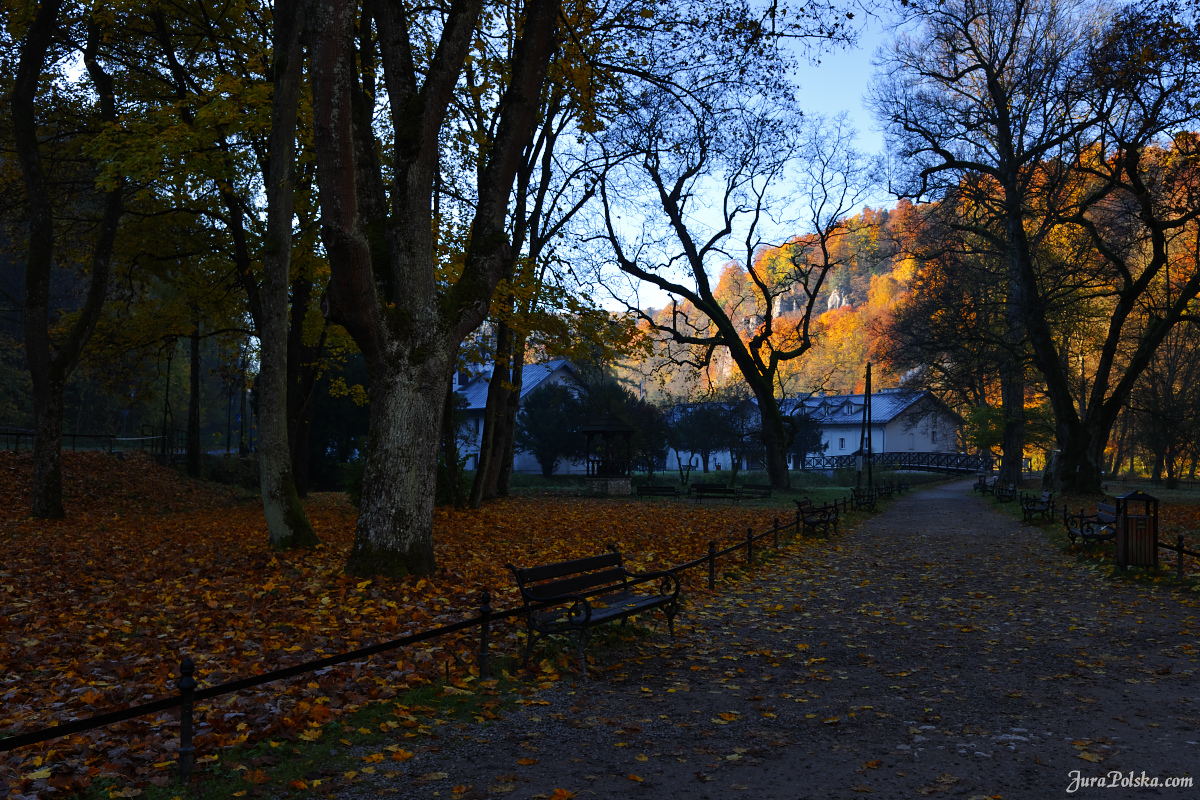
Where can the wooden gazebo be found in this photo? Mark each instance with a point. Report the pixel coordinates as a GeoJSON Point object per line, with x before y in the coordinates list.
{"type": "Point", "coordinates": [609, 453]}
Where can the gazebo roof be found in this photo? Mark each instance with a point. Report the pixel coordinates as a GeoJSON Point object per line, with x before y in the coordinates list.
{"type": "Point", "coordinates": [607, 424]}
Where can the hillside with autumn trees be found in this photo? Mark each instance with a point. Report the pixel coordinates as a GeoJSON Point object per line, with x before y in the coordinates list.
{"type": "Point", "coordinates": [875, 270]}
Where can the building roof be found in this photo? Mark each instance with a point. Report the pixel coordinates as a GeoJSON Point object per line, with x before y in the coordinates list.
{"type": "Point", "coordinates": [532, 376]}
{"type": "Point", "coordinates": [846, 409]}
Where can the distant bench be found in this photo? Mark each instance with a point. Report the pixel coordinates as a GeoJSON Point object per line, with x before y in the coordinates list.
{"type": "Point", "coordinates": [984, 485]}
{"type": "Point", "coordinates": [714, 490]}
{"type": "Point", "coordinates": [1005, 492]}
{"type": "Point", "coordinates": [657, 491]}
{"type": "Point", "coordinates": [1032, 506]}
{"type": "Point", "coordinates": [821, 517]}
{"type": "Point", "coordinates": [1088, 528]}
{"type": "Point", "coordinates": [757, 491]}
{"type": "Point", "coordinates": [863, 498]}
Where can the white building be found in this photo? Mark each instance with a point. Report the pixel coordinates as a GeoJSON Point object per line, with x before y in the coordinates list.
{"type": "Point", "coordinates": [902, 420]}
{"type": "Point", "coordinates": [475, 390]}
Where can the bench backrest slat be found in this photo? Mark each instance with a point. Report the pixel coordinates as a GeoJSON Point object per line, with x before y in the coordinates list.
{"type": "Point", "coordinates": [1106, 512]}
{"type": "Point", "coordinates": [550, 571]}
{"type": "Point", "coordinates": [576, 584]}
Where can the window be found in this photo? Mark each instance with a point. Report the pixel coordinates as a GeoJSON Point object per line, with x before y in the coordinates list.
{"type": "Point", "coordinates": [841, 444]}
{"type": "Point", "coordinates": [933, 437]}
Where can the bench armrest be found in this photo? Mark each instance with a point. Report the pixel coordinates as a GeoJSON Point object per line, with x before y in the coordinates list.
{"type": "Point", "coordinates": [668, 580]}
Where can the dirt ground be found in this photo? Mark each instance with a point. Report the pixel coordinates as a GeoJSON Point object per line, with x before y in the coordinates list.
{"type": "Point", "coordinates": [941, 648]}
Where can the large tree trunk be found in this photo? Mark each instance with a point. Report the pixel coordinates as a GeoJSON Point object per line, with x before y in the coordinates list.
{"type": "Point", "coordinates": [1012, 405]}
{"type": "Point", "coordinates": [384, 285]}
{"type": "Point", "coordinates": [508, 431]}
{"type": "Point", "coordinates": [393, 535]}
{"type": "Point", "coordinates": [47, 449]}
{"type": "Point", "coordinates": [491, 443]}
{"type": "Point", "coordinates": [774, 434]}
{"type": "Point", "coordinates": [50, 362]}
{"type": "Point", "coordinates": [287, 524]}
{"type": "Point", "coordinates": [193, 420]}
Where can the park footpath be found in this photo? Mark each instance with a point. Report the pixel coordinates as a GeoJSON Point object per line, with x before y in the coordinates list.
{"type": "Point", "coordinates": [939, 649]}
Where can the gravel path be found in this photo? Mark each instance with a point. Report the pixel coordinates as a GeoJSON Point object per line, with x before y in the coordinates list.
{"type": "Point", "coordinates": [939, 649]}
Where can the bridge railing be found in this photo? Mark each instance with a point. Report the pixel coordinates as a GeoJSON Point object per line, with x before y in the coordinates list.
{"type": "Point", "coordinates": [924, 461]}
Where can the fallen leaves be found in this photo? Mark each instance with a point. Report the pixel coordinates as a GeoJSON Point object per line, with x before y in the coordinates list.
{"type": "Point", "coordinates": [149, 567]}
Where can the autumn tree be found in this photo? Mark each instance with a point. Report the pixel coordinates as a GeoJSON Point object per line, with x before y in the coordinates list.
{"type": "Point", "coordinates": [386, 286]}
{"type": "Point", "coordinates": [1137, 214]}
{"type": "Point", "coordinates": [975, 99]}
{"type": "Point", "coordinates": [73, 203]}
{"type": "Point", "coordinates": [219, 131]}
{"type": "Point", "coordinates": [752, 150]}
{"type": "Point", "coordinates": [1052, 124]}
{"type": "Point", "coordinates": [1164, 404]}
{"type": "Point", "coordinates": [949, 333]}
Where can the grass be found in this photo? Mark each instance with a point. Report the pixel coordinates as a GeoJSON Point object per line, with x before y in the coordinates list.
{"type": "Point", "coordinates": [378, 737]}
{"type": "Point", "coordinates": [375, 738]}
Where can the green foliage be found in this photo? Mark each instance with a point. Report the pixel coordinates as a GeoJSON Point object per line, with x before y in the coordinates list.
{"type": "Point", "coordinates": [806, 434]}
{"type": "Point", "coordinates": [16, 390]}
{"type": "Point", "coordinates": [548, 426]}
{"type": "Point", "coordinates": [985, 428]}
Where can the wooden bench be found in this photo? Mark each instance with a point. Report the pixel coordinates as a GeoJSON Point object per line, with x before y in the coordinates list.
{"type": "Point", "coordinates": [657, 491]}
{"type": "Point", "coordinates": [758, 491]}
{"type": "Point", "coordinates": [1005, 493]}
{"type": "Point", "coordinates": [587, 592]}
{"type": "Point", "coordinates": [862, 498]}
{"type": "Point", "coordinates": [984, 485]}
{"type": "Point", "coordinates": [716, 490]}
{"type": "Point", "coordinates": [885, 490]}
{"type": "Point", "coordinates": [823, 517]}
{"type": "Point", "coordinates": [1088, 528]}
{"type": "Point", "coordinates": [1037, 506]}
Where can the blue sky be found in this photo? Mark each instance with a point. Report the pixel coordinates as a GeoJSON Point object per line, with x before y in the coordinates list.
{"type": "Point", "coordinates": [835, 85]}
{"type": "Point", "coordinates": [840, 81]}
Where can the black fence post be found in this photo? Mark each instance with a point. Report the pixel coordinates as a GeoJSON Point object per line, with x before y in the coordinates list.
{"type": "Point", "coordinates": [187, 693]}
{"type": "Point", "coordinates": [749, 547]}
{"type": "Point", "coordinates": [1179, 566]}
{"type": "Point", "coordinates": [485, 615]}
{"type": "Point", "coordinates": [776, 532]}
{"type": "Point", "coordinates": [712, 565]}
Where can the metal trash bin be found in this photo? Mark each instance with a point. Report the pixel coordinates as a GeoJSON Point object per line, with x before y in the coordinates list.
{"type": "Point", "coordinates": [1137, 530]}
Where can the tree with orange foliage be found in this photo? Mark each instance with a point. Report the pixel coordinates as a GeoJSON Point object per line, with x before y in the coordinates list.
{"type": "Point", "coordinates": [977, 98]}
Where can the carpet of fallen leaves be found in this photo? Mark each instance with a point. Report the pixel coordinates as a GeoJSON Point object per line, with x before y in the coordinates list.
{"type": "Point", "coordinates": [98, 609]}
